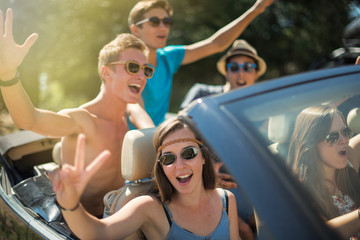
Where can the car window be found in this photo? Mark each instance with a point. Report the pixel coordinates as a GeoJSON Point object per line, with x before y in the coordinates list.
{"type": "Point", "coordinates": [271, 117]}
{"type": "Point", "coordinates": [274, 114]}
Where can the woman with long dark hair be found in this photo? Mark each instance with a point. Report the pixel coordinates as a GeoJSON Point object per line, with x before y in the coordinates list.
{"type": "Point", "coordinates": [190, 206]}
{"type": "Point", "coordinates": [319, 154]}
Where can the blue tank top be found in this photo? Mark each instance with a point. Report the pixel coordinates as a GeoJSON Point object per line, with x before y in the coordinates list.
{"type": "Point", "coordinates": [221, 232]}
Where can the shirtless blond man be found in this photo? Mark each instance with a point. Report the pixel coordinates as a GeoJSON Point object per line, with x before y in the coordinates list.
{"type": "Point", "coordinates": [123, 69]}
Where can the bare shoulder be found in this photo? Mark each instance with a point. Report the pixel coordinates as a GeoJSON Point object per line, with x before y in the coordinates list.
{"type": "Point", "coordinates": [81, 116]}
{"type": "Point", "coordinates": [74, 111]}
{"type": "Point", "coordinates": [221, 191]}
{"type": "Point", "coordinates": [146, 203]}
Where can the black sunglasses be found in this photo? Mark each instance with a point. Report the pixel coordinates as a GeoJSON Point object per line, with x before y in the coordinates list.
{"type": "Point", "coordinates": [333, 137]}
{"type": "Point", "coordinates": [235, 67]}
{"type": "Point", "coordinates": [155, 21]}
{"type": "Point", "coordinates": [187, 153]}
{"type": "Point", "coordinates": [133, 68]}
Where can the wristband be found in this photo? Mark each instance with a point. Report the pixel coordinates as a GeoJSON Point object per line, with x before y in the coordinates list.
{"type": "Point", "coordinates": [69, 210]}
{"type": "Point", "coordinates": [10, 82]}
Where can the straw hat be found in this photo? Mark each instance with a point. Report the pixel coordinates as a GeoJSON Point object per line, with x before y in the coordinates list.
{"type": "Point", "coordinates": [241, 47]}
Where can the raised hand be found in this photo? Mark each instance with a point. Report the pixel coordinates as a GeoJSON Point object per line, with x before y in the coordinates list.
{"type": "Point", "coordinates": [69, 182]}
{"type": "Point", "coordinates": [11, 54]}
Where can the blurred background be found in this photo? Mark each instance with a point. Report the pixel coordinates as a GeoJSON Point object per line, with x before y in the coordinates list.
{"type": "Point", "coordinates": [60, 70]}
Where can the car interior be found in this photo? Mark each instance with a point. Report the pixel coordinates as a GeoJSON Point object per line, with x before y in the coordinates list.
{"type": "Point", "coordinates": [28, 165]}
{"type": "Point", "coordinates": [25, 166]}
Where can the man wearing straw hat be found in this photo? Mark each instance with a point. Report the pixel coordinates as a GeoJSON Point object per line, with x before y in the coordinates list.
{"type": "Point", "coordinates": [241, 66]}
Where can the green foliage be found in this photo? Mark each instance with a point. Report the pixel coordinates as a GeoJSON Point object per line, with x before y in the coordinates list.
{"type": "Point", "coordinates": [290, 35]}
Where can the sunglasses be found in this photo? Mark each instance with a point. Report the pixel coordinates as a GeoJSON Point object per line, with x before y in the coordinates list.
{"type": "Point", "coordinates": [187, 153]}
{"type": "Point", "coordinates": [333, 137]}
{"type": "Point", "coordinates": [155, 21]}
{"type": "Point", "coordinates": [133, 68]}
{"type": "Point", "coordinates": [235, 67]}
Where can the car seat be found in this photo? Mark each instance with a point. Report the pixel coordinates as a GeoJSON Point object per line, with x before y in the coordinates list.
{"type": "Point", "coordinates": [137, 162]}
{"type": "Point", "coordinates": [353, 120]}
{"type": "Point", "coordinates": [279, 131]}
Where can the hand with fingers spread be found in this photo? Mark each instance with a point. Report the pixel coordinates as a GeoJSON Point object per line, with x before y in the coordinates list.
{"type": "Point", "coordinates": [69, 182]}
{"type": "Point", "coordinates": [11, 54]}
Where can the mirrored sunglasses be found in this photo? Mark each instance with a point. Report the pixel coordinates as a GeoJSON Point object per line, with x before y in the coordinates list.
{"type": "Point", "coordinates": [133, 68]}
{"type": "Point", "coordinates": [246, 67]}
{"type": "Point", "coordinates": [155, 21]}
{"type": "Point", "coordinates": [187, 153]}
{"type": "Point", "coordinates": [333, 137]}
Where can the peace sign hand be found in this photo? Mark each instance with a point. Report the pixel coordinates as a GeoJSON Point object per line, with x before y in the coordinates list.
{"type": "Point", "coordinates": [11, 54]}
{"type": "Point", "coordinates": [69, 182]}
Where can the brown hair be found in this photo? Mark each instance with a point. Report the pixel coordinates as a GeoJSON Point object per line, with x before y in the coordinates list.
{"type": "Point", "coordinates": [311, 127]}
{"type": "Point", "coordinates": [138, 11]}
{"type": "Point", "coordinates": [111, 51]}
{"type": "Point", "coordinates": [166, 189]}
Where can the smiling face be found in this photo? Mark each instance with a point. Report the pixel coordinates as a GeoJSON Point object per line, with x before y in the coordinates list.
{"type": "Point", "coordinates": [241, 78]}
{"type": "Point", "coordinates": [154, 37]}
{"type": "Point", "coordinates": [334, 156]}
{"type": "Point", "coordinates": [127, 87]}
{"type": "Point", "coordinates": [184, 175]}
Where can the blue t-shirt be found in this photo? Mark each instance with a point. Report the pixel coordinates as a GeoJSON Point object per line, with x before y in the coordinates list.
{"type": "Point", "coordinates": [157, 91]}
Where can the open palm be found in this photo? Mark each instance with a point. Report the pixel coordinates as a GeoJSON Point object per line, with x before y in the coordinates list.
{"type": "Point", "coordinates": [11, 54]}
{"type": "Point", "coordinates": [69, 182]}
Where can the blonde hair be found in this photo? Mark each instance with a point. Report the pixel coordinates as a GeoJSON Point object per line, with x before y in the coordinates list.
{"type": "Point", "coordinates": [138, 11]}
{"type": "Point", "coordinates": [111, 51]}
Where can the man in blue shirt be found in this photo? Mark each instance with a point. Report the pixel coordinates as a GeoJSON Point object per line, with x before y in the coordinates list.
{"type": "Point", "coordinates": [151, 22]}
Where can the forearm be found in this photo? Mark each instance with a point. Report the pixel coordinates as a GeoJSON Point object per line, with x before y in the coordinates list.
{"type": "Point", "coordinates": [139, 117]}
{"type": "Point", "coordinates": [347, 225]}
{"type": "Point", "coordinates": [26, 116]}
{"type": "Point", "coordinates": [226, 35]}
{"type": "Point", "coordinates": [19, 105]}
{"type": "Point", "coordinates": [84, 225]}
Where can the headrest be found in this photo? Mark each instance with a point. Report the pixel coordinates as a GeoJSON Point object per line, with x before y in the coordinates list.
{"type": "Point", "coordinates": [353, 120]}
{"type": "Point", "coordinates": [138, 154]}
{"type": "Point", "coordinates": [279, 128]}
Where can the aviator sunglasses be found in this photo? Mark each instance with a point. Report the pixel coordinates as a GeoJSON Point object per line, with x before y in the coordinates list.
{"type": "Point", "coordinates": [235, 67]}
{"type": "Point", "coordinates": [155, 21]}
{"type": "Point", "coordinates": [333, 137]}
{"type": "Point", "coordinates": [187, 153]}
{"type": "Point", "coordinates": [133, 68]}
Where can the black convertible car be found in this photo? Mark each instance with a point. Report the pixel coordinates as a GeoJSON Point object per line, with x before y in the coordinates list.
{"type": "Point", "coordinates": [247, 129]}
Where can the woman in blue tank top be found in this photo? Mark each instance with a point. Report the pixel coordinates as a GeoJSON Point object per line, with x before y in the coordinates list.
{"type": "Point", "coordinates": [189, 206]}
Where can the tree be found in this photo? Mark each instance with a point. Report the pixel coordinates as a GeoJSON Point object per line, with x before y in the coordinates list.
{"type": "Point", "coordinates": [290, 35]}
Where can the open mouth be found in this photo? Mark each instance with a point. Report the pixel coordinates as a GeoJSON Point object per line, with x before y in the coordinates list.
{"type": "Point", "coordinates": [184, 178]}
{"type": "Point", "coordinates": [343, 152]}
{"type": "Point", "coordinates": [241, 83]}
{"type": "Point", "coordinates": [135, 88]}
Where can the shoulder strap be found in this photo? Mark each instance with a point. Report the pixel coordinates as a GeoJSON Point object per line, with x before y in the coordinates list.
{"type": "Point", "coordinates": [168, 215]}
{"type": "Point", "coordinates": [225, 198]}
{"type": "Point", "coordinates": [227, 202]}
